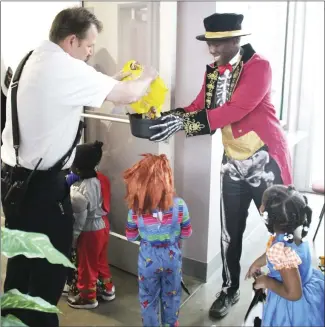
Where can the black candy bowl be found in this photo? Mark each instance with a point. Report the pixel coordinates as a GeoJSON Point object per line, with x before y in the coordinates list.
{"type": "Point", "coordinates": [140, 126]}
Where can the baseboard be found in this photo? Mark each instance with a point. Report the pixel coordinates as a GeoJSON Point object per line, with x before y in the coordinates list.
{"type": "Point", "coordinates": [201, 270]}
{"type": "Point", "coordinates": [123, 254]}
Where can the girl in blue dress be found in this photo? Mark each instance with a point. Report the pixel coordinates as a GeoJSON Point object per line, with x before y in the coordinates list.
{"type": "Point", "coordinates": [295, 290]}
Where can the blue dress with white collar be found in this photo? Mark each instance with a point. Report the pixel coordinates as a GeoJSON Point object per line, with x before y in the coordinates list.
{"type": "Point", "coordinates": [309, 309]}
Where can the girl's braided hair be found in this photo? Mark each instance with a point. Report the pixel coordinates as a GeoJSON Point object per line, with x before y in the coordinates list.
{"type": "Point", "coordinates": [286, 209]}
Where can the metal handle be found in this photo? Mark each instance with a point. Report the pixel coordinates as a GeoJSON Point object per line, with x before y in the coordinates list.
{"type": "Point", "coordinates": [122, 237]}
{"type": "Point", "coordinates": [104, 117]}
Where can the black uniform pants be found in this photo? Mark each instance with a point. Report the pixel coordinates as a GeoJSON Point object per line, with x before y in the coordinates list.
{"type": "Point", "coordinates": [46, 209]}
{"type": "Point", "coordinates": [241, 182]}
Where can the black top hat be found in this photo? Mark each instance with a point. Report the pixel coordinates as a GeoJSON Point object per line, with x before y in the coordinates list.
{"type": "Point", "coordinates": [222, 26]}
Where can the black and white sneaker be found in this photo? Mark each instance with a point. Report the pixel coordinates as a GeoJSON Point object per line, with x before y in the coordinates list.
{"type": "Point", "coordinates": [78, 302]}
{"type": "Point", "coordinates": [223, 303]}
{"type": "Point", "coordinates": [106, 295]}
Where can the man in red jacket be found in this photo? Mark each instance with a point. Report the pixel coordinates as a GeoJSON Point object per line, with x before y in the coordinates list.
{"type": "Point", "coordinates": [236, 97]}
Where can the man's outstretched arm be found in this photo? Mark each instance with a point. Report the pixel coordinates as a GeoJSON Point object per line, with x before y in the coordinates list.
{"type": "Point", "coordinates": [126, 92]}
{"type": "Point", "coordinates": [255, 83]}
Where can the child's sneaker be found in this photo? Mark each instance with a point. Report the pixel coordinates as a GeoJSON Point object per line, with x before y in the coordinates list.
{"type": "Point", "coordinates": [66, 290]}
{"type": "Point", "coordinates": [106, 295]}
{"type": "Point", "coordinates": [80, 303]}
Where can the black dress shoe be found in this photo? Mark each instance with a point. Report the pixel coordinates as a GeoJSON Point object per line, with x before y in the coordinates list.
{"type": "Point", "coordinates": [223, 303]}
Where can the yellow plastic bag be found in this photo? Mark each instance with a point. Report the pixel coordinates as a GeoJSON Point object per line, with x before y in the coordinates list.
{"type": "Point", "coordinates": [156, 95]}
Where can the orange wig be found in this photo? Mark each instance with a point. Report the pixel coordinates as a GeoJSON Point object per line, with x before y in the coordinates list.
{"type": "Point", "coordinates": [149, 184]}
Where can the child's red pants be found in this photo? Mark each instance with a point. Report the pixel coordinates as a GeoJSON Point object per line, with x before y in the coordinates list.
{"type": "Point", "coordinates": [93, 261]}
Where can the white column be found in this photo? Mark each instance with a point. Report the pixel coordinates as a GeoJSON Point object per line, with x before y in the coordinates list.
{"type": "Point", "coordinates": [197, 159]}
{"type": "Point", "coordinates": [167, 64]}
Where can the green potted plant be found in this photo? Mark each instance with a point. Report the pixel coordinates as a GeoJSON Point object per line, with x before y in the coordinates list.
{"type": "Point", "coordinates": [31, 245]}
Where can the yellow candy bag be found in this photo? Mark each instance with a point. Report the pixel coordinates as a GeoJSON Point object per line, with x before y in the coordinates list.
{"type": "Point", "coordinates": [156, 95]}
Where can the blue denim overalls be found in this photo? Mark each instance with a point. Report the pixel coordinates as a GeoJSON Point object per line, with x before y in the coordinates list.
{"type": "Point", "coordinates": [160, 272]}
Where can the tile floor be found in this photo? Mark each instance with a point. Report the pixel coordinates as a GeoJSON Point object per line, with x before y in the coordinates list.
{"type": "Point", "coordinates": [124, 310]}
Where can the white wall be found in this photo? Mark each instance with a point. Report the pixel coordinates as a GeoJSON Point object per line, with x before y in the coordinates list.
{"type": "Point", "coordinates": [168, 16]}
{"type": "Point", "coordinates": [193, 157]}
{"type": "Point", "coordinates": [24, 25]}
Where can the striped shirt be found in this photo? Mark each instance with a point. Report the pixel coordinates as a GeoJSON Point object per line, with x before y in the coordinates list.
{"type": "Point", "coordinates": [160, 226]}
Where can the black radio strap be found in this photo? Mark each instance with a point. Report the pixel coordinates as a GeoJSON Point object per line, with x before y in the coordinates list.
{"type": "Point", "coordinates": [14, 113]}
{"type": "Point", "coordinates": [61, 163]}
{"type": "Point", "coordinates": [15, 125]}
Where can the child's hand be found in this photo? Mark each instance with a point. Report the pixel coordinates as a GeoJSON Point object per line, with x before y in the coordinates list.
{"type": "Point", "coordinates": [254, 269]}
{"type": "Point", "coordinates": [71, 178]}
{"type": "Point", "coordinates": [261, 282]}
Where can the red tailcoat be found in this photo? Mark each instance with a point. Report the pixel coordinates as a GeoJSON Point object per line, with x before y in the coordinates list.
{"type": "Point", "coordinates": [249, 108]}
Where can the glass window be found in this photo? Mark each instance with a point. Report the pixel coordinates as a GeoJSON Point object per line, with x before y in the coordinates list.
{"type": "Point", "coordinates": [315, 42]}
{"type": "Point", "coordinates": [131, 34]}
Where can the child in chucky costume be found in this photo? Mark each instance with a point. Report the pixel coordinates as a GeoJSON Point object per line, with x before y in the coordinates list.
{"type": "Point", "coordinates": [159, 220]}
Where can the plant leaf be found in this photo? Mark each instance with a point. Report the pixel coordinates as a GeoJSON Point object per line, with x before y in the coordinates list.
{"type": "Point", "coordinates": [11, 321]}
{"type": "Point", "coordinates": [31, 245]}
{"type": "Point", "coordinates": [13, 299]}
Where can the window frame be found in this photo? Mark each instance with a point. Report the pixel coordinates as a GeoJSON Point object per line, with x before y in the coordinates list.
{"type": "Point", "coordinates": [284, 113]}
